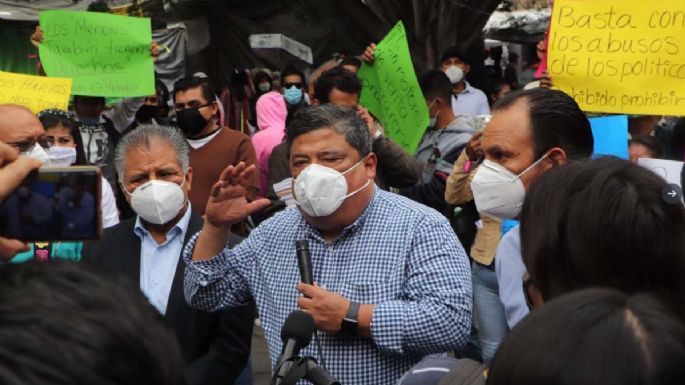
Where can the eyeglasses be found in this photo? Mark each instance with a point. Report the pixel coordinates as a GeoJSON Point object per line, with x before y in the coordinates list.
{"type": "Point", "coordinates": [190, 106]}
{"type": "Point", "coordinates": [296, 85]}
{"type": "Point", "coordinates": [28, 144]}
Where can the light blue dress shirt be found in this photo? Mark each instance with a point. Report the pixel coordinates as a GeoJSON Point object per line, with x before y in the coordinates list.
{"type": "Point", "coordinates": [510, 269]}
{"type": "Point", "coordinates": [399, 255]}
{"type": "Point", "coordinates": [158, 262]}
{"type": "Point", "coordinates": [471, 102]}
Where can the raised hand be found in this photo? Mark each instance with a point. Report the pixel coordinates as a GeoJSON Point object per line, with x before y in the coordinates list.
{"type": "Point", "coordinates": [370, 121]}
{"type": "Point", "coordinates": [473, 150]}
{"type": "Point", "coordinates": [13, 170]}
{"type": "Point", "coordinates": [227, 204]}
{"type": "Point", "coordinates": [155, 50]}
{"type": "Point", "coordinates": [546, 80]}
{"type": "Point", "coordinates": [369, 54]}
{"type": "Point", "coordinates": [37, 37]}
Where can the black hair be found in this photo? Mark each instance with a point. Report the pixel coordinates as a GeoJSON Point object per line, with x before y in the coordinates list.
{"type": "Point", "coordinates": [53, 118]}
{"type": "Point", "coordinates": [351, 61]}
{"type": "Point", "coordinates": [262, 75]}
{"type": "Point", "coordinates": [344, 121]}
{"type": "Point", "coordinates": [494, 87]}
{"type": "Point", "coordinates": [603, 222]}
{"type": "Point", "coordinates": [435, 84]}
{"type": "Point", "coordinates": [61, 324]}
{"type": "Point", "coordinates": [291, 70]}
{"type": "Point", "coordinates": [336, 78]}
{"type": "Point", "coordinates": [292, 111]}
{"type": "Point", "coordinates": [99, 6]}
{"type": "Point", "coordinates": [454, 52]}
{"type": "Point", "coordinates": [189, 82]}
{"type": "Point", "coordinates": [594, 336]}
{"type": "Point", "coordinates": [94, 99]}
{"type": "Point", "coordinates": [556, 120]}
{"type": "Point", "coordinates": [239, 80]}
{"type": "Point", "coordinates": [163, 93]}
{"type": "Point", "coordinates": [653, 144]}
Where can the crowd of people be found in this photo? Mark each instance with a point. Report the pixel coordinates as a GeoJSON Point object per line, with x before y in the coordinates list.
{"type": "Point", "coordinates": [503, 255]}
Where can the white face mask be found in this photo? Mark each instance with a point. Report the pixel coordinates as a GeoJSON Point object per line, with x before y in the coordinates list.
{"type": "Point", "coordinates": [158, 201]}
{"type": "Point", "coordinates": [499, 192]}
{"type": "Point", "coordinates": [264, 87]}
{"type": "Point", "coordinates": [455, 73]}
{"type": "Point", "coordinates": [320, 190]}
{"type": "Point", "coordinates": [62, 156]}
{"type": "Point", "coordinates": [37, 152]}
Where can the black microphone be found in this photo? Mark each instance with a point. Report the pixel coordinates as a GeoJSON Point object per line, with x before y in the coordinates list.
{"type": "Point", "coordinates": [296, 334]}
{"type": "Point", "coordinates": [304, 261]}
{"type": "Point", "coordinates": [318, 375]}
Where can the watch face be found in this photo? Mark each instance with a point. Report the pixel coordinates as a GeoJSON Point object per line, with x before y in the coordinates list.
{"type": "Point", "coordinates": [349, 326]}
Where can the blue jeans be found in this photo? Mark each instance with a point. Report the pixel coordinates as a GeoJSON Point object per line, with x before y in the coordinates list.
{"type": "Point", "coordinates": [492, 322]}
{"type": "Point", "coordinates": [245, 377]}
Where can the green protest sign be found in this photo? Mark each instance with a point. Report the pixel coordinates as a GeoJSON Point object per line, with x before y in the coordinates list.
{"type": "Point", "coordinates": [391, 91]}
{"type": "Point", "coordinates": [105, 55]}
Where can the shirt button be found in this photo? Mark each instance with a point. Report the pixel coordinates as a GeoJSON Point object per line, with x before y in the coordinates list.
{"type": "Point", "coordinates": [204, 283]}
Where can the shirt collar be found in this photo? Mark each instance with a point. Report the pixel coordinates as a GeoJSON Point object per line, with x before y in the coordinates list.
{"type": "Point", "coordinates": [179, 228]}
{"type": "Point", "coordinates": [467, 88]}
{"type": "Point", "coordinates": [349, 230]}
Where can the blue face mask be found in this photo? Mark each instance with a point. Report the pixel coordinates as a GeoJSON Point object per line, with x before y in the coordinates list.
{"type": "Point", "coordinates": [293, 95]}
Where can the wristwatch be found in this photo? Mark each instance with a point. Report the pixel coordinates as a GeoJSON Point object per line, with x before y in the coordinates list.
{"type": "Point", "coordinates": [349, 323]}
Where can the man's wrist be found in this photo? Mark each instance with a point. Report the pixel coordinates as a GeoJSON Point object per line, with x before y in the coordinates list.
{"type": "Point", "coordinates": [211, 241]}
{"type": "Point", "coordinates": [364, 319]}
{"type": "Point", "coordinates": [364, 314]}
{"type": "Point", "coordinates": [217, 230]}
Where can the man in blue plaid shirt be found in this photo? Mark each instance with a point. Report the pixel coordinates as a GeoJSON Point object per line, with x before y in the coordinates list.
{"type": "Point", "coordinates": [392, 281]}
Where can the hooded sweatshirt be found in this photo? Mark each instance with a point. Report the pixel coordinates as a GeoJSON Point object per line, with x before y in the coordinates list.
{"type": "Point", "coordinates": [437, 152]}
{"type": "Point", "coordinates": [271, 114]}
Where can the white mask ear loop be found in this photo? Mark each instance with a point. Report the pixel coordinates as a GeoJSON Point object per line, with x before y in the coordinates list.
{"type": "Point", "coordinates": [532, 165]}
{"type": "Point", "coordinates": [361, 188]}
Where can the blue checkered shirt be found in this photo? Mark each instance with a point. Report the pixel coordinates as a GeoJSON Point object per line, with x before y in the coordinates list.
{"type": "Point", "coordinates": [399, 255]}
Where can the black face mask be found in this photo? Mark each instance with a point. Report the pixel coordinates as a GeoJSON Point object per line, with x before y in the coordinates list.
{"type": "Point", "coordinates": [190, 121]}
{"type": "Point", "coordinates": [146, 113]}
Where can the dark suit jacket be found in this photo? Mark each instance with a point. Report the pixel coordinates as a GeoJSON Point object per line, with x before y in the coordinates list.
{"type": "Point", "coordinates": [216, 346]}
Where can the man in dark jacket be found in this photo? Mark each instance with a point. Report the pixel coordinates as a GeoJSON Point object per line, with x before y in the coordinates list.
{"type": "Point", "coordinates": [152, 164]}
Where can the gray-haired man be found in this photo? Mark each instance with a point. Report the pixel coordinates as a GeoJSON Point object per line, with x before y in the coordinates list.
{"type": "Point", "coordinates": [152, 163]}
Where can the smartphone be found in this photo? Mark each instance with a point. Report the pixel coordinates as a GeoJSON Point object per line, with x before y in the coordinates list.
{"type": "Point", "coordinates": [54, 204]}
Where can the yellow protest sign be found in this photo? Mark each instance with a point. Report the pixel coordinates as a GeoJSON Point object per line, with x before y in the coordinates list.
{"type": "Point", "coordinates": [620, 56]}
{"type": "Point", "coordinates": [34, 92]}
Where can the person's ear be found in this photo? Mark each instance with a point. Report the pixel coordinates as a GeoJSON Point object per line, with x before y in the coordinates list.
{"type": "Point", "coordinates": [189, 179]}
{"type": "Point", "coordinates": [557, 156]}
{"type": "Point", "coordinates": [316, 102]}
{"type": "Point", "coordinates": [370, 163]}
{"type": "Point", "coordinates": [214, 106]}
{"type": "Point", "coordinates": [467, 69]}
